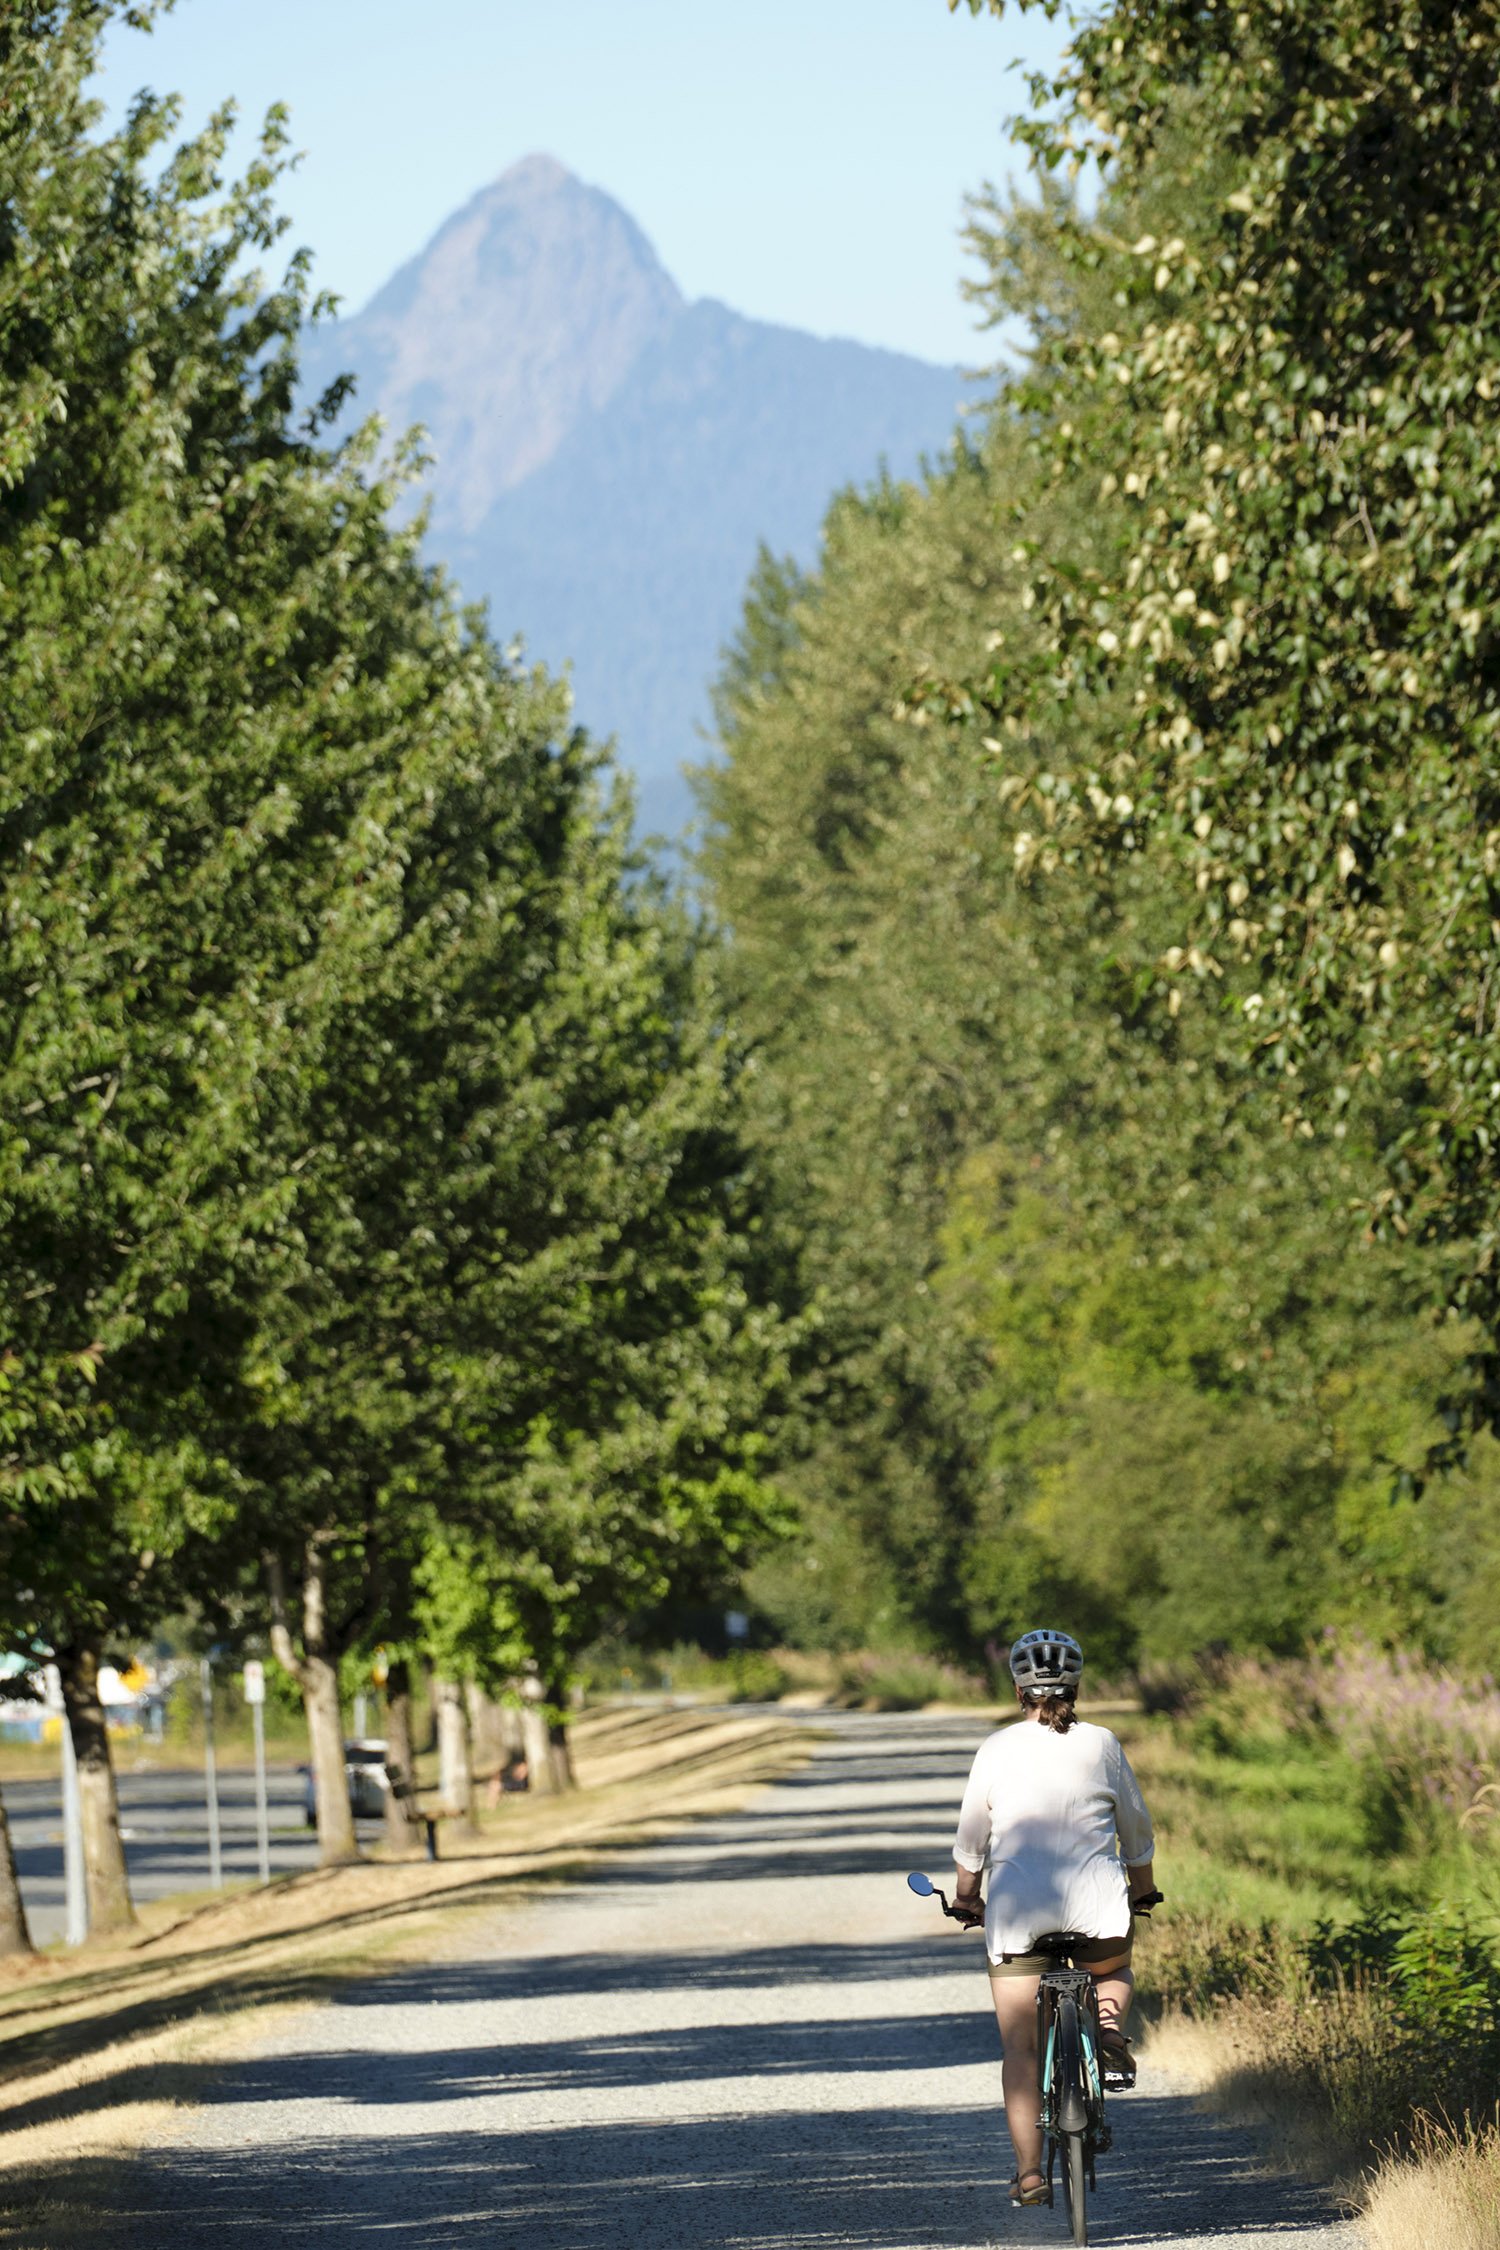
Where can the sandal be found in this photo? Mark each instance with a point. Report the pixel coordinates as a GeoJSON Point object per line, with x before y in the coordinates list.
{"type": "Point", "coordinates": [1021, 2194]}
{"type": "Point", "coordinates": [1114, 2053]}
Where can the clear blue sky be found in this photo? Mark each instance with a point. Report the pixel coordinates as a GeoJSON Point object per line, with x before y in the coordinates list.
{"type": "Point", "coordinates": [804, 160]}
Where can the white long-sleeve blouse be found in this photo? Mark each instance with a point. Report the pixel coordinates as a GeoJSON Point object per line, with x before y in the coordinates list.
{"type": "Point", "coordinates": [1055, 1819]}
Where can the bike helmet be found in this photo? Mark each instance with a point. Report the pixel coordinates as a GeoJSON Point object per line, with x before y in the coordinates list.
{"type": "Point", "coordinates": [1047, 1661]}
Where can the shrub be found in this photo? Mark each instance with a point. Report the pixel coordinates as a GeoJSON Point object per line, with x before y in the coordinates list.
{"type": "Point", "coordinates": [753, 1676]}
{"type": "Point", "coordinates": [1427, 1745]}
{"type": "Point", "coordinates": [745, 1675]}
{"type": "Point", "coordinates": [1349, 2041]}
{"type": "Point", "coordinates": [1440, 1981]}
{"type": "Point", "coordinates": [1167, 1690]}
{"type": "Point", "coordinates": [1248, 1710]}
{"type": "Point", "coordinates": [905, 1682]}
{"type": "Point", "coordinates": [1193, 1962]}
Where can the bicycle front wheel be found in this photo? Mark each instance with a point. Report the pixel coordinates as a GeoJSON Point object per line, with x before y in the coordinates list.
{"type": "Point", "coordinates": [1075, 2185]}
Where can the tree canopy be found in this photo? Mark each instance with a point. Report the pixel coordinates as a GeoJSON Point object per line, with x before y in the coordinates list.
{"type": "Point", "coordinates": [1102, 835]}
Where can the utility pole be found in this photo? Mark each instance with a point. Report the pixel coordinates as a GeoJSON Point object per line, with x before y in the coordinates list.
{"type": "Point", "coordinates": [75, 1890]}
{"type": "Point", "coordinates": [211, 1775]}
{"type": "Point", "coordinates": [255, 1696]}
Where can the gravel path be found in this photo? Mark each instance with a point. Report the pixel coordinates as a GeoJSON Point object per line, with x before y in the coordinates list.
{"type": "Point", "coordinates": [751, 2035]}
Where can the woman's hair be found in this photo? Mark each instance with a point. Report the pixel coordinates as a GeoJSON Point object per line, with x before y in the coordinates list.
{"type": "Point", "coordinates": [1056, 1709]}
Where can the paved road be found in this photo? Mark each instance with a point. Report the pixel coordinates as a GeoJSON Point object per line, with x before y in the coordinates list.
{"type": "Point", "coordinates": [751, 2035]}
{"type": "Point", "coordinates": [165, 1820]}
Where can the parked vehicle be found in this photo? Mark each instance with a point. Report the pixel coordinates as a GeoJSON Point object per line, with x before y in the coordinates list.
{"type": "Point", "coordinates": [364, 1768]}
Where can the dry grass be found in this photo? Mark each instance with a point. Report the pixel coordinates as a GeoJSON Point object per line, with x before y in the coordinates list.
{"type": "Point", "coordinates": [1447, 2196]}
{"type": "Point", "coordinates": [98, 2047]}
{"type": "Point", "coordinates": [1327, 2077]}
{"type": "Point", "coordinates": [1307, 2078]}
{"type": "Point", "coordinates": [1309, 2082]}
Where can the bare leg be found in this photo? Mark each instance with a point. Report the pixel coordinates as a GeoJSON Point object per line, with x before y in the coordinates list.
{"type": "Point", "coordinates": [1015, 2012]}
{"type": "Point", "coordinates": [1115, 1988]}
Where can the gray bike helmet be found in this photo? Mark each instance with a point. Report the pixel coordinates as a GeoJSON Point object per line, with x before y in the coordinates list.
{"type": "Point", "coordinates": [1047, 1661]}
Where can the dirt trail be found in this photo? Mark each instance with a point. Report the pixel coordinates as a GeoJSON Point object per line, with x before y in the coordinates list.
{"type": "Point", "coordinates": [749, 2035]}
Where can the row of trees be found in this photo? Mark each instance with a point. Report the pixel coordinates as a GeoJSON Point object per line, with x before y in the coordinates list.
{"type": "Point", "coordinates": [1107, 836]}
{"type": "Point", "coordinates": [394, 1242]}
{"type": "Point", "coordinates": [378, 1256]}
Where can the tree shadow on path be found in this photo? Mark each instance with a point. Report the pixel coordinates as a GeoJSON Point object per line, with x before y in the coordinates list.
{"type": "Point", "coordinates": [884, 2178]}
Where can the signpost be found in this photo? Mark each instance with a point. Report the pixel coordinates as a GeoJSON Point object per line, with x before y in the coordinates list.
{"type": "Point", "coordinates": [211, 1775]}
{"type": "Point", "coordinates": [255, 1696]}
{"type": "Point", "coordinates": [75, 1892]}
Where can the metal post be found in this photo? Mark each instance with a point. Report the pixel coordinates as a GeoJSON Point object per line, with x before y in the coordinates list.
{"type": "Point", "coordinates": [75, 1889]}
{"type": "Point", "coordinates": [262, 1820]}
{"type": "Point", "coordinates": [211, 1776]}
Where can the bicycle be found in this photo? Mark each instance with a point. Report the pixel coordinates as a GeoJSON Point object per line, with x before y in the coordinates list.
{"type": "Point", "coordinates": [1074, 2069]}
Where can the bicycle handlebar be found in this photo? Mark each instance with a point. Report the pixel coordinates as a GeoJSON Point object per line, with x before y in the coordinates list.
{"type": "Point", "coordinates": [926, 1888]}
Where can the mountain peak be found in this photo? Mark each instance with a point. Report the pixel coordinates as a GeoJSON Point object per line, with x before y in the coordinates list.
{"type": "Point", "coordinates": [609, 459]}
{"type": "Point", "coordinates": [530, 306]}
{"type": "Point", "coordinates": [536, 174]}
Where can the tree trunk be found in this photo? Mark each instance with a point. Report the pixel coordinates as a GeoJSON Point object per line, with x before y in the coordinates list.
{"type": "Point", "coordinates": [512, 1738]}
{"type": "Point", "coordinates": [104, 1873]}
{"type": "Point", "coordinates": [316, 1672]}
{"type": "Point", "coordinates": [403, 1823]}
{"type": "Point", "coordinates": [429, 1740]}
{"type": "Point", "coordinates": [14, 1935]}
{"type": "Point", "coordinates": [537, 1738]}
{"type": "Point", "coordinates": [455, 1774]}
{"type": "Point", "coordinates": [557, 1737]}
{"type": "Point", "coordinates": [337, 1841]}
{"type": "Point", "coordinates": [486, 1733]}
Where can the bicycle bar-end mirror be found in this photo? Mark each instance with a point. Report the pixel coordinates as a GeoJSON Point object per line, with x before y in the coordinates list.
{"type": "Point", "coordinates": [921, 1884]}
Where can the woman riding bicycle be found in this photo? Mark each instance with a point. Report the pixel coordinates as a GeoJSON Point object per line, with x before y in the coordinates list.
{"type": "Point", "coordinates": [1054, 1812]}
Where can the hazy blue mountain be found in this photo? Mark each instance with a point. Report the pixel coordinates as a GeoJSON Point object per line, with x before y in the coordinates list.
{"type": "Point", "coordinates": [609, 456]}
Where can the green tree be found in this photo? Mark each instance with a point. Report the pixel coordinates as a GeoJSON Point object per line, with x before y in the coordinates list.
{"type": "Point", "coordinates": [862, 959]}
{"type": "Point", "coordinates": [513, 1326]}
{"type": "Point", "coordinates": [362, 1102]}
{"type": "Point", "coordinates": [1200, 1435]}
{"type": "Point", "coordinates": [194, 833]}
{"type": "Point", "coordinates": [1292, 436]}
{"type": "Point", "coordinates": [1060, 1234]}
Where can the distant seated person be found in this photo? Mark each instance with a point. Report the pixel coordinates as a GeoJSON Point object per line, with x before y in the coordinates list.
{"type": "Point", "coordinates": [508, 1778]}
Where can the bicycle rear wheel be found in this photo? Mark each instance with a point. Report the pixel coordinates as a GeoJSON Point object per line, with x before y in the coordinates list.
{"type": "Point", "coordinates": [1070, 2114]}
{"type": "Point", "coordinates": [1076, 2185]}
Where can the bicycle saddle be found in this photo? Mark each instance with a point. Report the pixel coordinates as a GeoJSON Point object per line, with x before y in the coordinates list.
{"type": "Point", "coordinates": [1060, 1941]}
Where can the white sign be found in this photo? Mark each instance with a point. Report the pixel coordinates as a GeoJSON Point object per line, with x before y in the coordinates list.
{"type": "Point", "coordinates": [255, 1682]}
